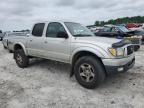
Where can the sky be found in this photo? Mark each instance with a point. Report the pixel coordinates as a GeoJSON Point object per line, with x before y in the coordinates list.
{"type": "Point", "coordinates": [21, 14]}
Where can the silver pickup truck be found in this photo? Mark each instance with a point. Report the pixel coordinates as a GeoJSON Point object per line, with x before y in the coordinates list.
{"type": "Point", "coordinates": [91, 58]}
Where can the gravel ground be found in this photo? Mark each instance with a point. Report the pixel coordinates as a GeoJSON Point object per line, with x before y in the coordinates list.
{"type": "Point", "coordinates": [46, 84]}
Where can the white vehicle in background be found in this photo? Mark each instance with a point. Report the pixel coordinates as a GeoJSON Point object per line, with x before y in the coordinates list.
{"type": "Point", "coordinates": [4, 41]}
{"type": "Point", "coordinates": [138, 28]}
{"type": "Point", "coordinates": [143, 26]}
{"type": "Point", "coordinates": [94, 29]}
{"type": "Point", "coordinates": [2, 34]}
{"type": "Point", "coordinates": [139, 31]}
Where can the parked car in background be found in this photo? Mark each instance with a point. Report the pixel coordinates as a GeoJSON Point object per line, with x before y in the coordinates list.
{"type": "Point", "coordinates": [139, 31]}
{"type": "Point", "coordinates": [94, 28]}
{"type": "Point", "coordinates": [107, 32]}
{"type": "Point", "coordinates": [135, 32]}
{"type": "Point", "coordinates": [133, 25]}
{"type": "Point", "coordinates": [120, 32]}
{"type": "Point", "coordinates": [4, 41]}
{"type": "Point", "coordinates": [1, 35]}
{"type": "Point", "coordinates": [91, 58]}
{"type": "Point", "coordinates": [143, 26]}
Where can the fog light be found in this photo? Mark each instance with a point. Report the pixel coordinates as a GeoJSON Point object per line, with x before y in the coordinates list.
{"type": "Point", "coordinates": [120, 69]}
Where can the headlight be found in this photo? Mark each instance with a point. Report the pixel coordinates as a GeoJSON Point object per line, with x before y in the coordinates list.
{"type": "Point", "coordinates": [112, 51]}
{"type": "Point", "coordinates": [116, 51]}
{"type": "Point", "coordinates": [120, 51]}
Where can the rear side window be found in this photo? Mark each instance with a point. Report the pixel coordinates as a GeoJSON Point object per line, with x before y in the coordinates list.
{"type": "Point", "coordinates": [38, 29]}
{"type": "Point", "coordinates": [106, 29]}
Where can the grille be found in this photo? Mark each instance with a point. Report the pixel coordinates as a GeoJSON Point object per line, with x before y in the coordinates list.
{"type": "Point", "coordinates": [130, 50]}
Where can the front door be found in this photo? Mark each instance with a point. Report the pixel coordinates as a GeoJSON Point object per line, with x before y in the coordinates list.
{"type": "Point", "coordinates": [56, 48]}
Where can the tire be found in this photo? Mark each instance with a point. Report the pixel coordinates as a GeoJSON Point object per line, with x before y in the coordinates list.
{"type": "Point", "coordinates": [136, 47]}
{"type": "Point", "coordinates": [97, 71]}
{"type": "Point", "coordinates": [21, 59]}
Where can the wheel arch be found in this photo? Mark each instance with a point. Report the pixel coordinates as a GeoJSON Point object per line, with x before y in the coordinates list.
{"type": "Point", "coordinates": [20, 46]}
{"type": "Point", "coordinates": [82, 53]}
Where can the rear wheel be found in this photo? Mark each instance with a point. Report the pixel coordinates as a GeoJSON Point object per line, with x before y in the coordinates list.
{"type": "Point", "coordinates": [21, 59]}
{"type": "Point", "coordinates": [89, 72]}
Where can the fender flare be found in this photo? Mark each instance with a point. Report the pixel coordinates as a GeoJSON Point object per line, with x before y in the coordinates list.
{"type": "Point", "coordinates": [96, 52]}
{"type": "Point", "coordinates": [22, 45]}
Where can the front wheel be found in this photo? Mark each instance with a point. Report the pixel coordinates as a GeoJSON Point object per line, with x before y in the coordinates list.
{"type": "Point", "coordinates": [89, 72]}
{"type": "Point", "coordinates": [21, 59]}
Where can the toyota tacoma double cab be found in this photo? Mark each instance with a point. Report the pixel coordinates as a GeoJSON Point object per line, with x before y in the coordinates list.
{"type": "Point", "coordinates": [91, 58]}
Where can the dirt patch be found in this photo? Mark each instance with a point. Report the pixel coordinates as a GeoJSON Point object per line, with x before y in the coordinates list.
{"type": "Point", "coordinates": [46, 84]}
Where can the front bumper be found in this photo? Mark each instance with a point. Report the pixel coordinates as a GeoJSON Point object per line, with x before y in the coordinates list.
{"type": "Point", "coordinates": [113, 66]}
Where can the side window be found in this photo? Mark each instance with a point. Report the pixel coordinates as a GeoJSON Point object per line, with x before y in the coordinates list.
{"type": "Point", "coordinates": [38, 29]}
{"type": "Point", "coordinates": [53, 29]}
{"type": "Point", "coordinates": [106, 29]}
{"type": "Point", "coordinates": [113, 30]}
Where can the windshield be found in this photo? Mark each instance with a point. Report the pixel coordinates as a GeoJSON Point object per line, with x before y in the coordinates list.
{"type": "Point", "coordinates": [77, 30]}
{"type": "Point", "coordinates": [123, 28]}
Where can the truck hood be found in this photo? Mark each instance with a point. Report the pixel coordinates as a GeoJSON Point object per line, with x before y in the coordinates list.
{"type": "Point", "coordinates": [98, 40]}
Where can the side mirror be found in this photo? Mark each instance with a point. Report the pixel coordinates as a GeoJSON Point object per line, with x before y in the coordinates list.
{"type": "Point", "coordinates": [62, 35]}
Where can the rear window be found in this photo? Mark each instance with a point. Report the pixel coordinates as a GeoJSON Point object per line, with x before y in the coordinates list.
{"type": "Point", "coordinates": [38, 29]}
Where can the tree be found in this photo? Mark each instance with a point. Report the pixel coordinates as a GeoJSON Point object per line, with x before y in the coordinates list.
{"type": "Point", "coordinates": [97, 23]}
{"type": "Point", "coordinates": [124, 20]}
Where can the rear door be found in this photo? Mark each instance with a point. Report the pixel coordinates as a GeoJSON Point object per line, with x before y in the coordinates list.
{"type": "Point", "coordinates": [34, 43]}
